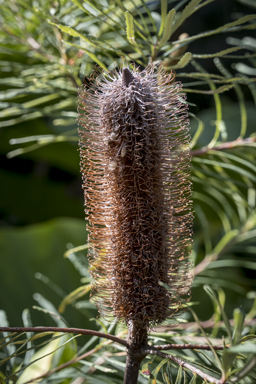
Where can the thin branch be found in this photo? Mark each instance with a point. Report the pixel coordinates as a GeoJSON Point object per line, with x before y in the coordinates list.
{"type": "Point", "coordinates": [137, 341]}
{"type": "Point", "coordinates": [152, 350]}
{"type": "Point", "coordinates": [230, 144]}
{"type": "Point", "coordinates": [204, 324]}
{"type": "Point", "coordinates": [65, 330]}
{"type": "Point", "coordinates": [184, 364]}
{"type": "Point", "coordinates": [205, 347]}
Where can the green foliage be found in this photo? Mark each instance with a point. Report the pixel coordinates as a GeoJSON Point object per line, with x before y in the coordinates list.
{"type": "Point", "coordinates": [46, 48]}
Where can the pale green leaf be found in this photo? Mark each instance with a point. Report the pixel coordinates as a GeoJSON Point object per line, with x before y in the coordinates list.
{"type": "Point", "coordinates": [42, 359]}
{"type": "Point", "coordinates": [238, 315]}
{"type": "Point", "coordinates": [73, 296]}
{"type": "Point", "coordinates": [72, 32]}
{"type": "Point", "coordinates": [211, 293]}
{"type": "Point", "coordinates": [232, 263]}
{"type": "Point", "coordinates": [247, 368]}
{"type": "Point", "coordinates": [179, 376]}
{"type": "Point", "coordinates": [186, 58]}
{"type": "Point", "coordinates": [163, 15]}
{"type": "Point", "coordinates": [167, 28]}
{"type": "Point", "coordinates": [226, 240]}
{"type": "Point", "coordinates": [158, 367]}
{"type": "Point", "coordinates": [76, 249]}
{"type": "Point", "coordinates": [231, 167]}
{"type": "Point", "coordinates": [130, 27]}
{"type": "Point", "coordinates": [79, 5]}
{"type": "Point", "coordinates": [218, 54]}
{"type": "Point", "coordinates": [225, 28]}
{"type": "Point", "coordinates": [242, 348]}
{"type": "Point", "coordinates": [220, 89]}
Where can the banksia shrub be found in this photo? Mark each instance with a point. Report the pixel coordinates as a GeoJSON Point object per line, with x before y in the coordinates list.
{"type": "Point", "coordinates": [135, 162]}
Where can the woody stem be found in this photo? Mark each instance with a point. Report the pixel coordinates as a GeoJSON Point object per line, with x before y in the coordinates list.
{"type": "Point", "coordinates": [137, 343]}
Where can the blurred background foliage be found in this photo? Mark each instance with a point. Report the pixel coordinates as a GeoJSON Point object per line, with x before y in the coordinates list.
{"type": "Point", "coordinates": [46, 50]}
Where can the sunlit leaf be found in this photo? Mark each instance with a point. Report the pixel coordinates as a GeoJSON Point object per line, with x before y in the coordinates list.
{"type": "Point", "coordinates": [130, 27]}
{"type": "Point", "coordinates": [186, 58]}
{"type": "Point", "coordinates": [163, 15]}
{"type": "Point", "coordinates": [73, 296]}
{"type": "Point", "coordinates": [167, 28]}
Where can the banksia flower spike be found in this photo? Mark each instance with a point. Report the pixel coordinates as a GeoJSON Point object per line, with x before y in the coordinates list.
{"type": "Point", "coordinates": [135, 162]}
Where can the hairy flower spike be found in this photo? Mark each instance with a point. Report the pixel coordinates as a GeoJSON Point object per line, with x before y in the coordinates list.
{"type": "Point", "coordinates": [135, 162]}
{"type": "Point", "coordinates": [127, 77]}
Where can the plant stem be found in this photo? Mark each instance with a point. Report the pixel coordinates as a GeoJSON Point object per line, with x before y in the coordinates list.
{"type": "Point", "coordinates": [137, 344]}
{"type": "Point", "coordinates": [137, 349]}
{"type": "Point", "coordinates": [184, 364]}
{"type": "Point", "coordinates": [188, 346]}
{"type": "Point", "coordinates": [132, 369]}
{"type": "Point", "coordinates": [230, 144]}
{"type": "Point", "coordinates": [204, 324]}
{"type": "Point", "coordinates": [64, 330]}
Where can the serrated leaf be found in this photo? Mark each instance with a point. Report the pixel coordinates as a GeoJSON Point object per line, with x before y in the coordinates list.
{"type": "Point", "coordinates": [186, 58]}
{"type": "Point", "coordinates": [221, 89]}
{"type": "Point", "coordinates": [72, 32]}
{"type": "Point", "coordinates": [130, 27]}
{"type": "Point", "coordinates": [240, 21]}
{"type": "Point", "coordinates": [217, 54]}
{"type": "Point", "coordinates": [224, 28]}
{"type": "Point", "coordinates": [167, 28]}
{"type": "Point", "coordinates": [248, 337]}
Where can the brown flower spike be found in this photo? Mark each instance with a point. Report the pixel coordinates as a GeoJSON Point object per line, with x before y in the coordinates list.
{"type": "Point", "coordinates": [135, 162]}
